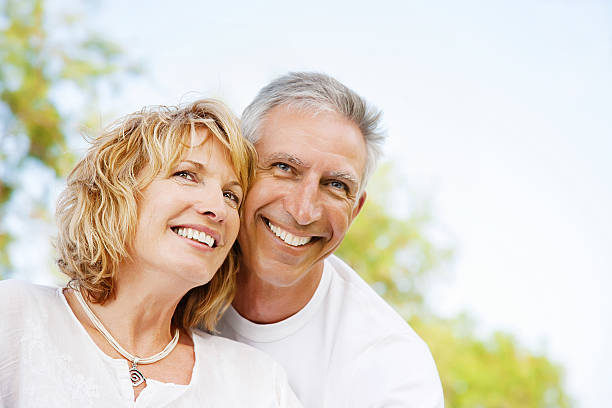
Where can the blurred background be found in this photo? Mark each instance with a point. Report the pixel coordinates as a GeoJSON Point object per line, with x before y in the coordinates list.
{"type": "Point", "coordinates": [488, 225]}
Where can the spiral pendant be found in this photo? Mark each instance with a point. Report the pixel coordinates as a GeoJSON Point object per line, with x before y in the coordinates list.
{"type": "Point", "coordinates": [136, 376]}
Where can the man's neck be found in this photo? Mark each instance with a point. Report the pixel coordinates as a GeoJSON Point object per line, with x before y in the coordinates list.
{"type": "Point", "coordinates": [261, 302]}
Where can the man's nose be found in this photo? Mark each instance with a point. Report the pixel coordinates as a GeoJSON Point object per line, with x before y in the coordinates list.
{"type": "Point", "coordinates": [303, 202]}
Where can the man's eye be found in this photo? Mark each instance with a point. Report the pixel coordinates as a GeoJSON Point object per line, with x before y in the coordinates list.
{"type": "Point", "coordinates": [283, 166]}
{"type": "Point", "coordinates": [187, 175]}
{"type": "Point", "coordinates": [338, 185]}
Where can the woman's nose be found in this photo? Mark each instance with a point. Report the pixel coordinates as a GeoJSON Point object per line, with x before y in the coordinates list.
{"type": "Point", "coordinates": [211, 203]}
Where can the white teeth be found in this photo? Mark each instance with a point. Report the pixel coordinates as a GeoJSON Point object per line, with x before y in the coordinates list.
{"type": "Point", "coordinates": [288, 237]}
{"type": "Point", "coordinates": [199, 236]}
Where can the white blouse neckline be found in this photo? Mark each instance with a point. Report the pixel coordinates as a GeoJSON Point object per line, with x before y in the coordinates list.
{"type": "Point", "coordinates": [120, 363]}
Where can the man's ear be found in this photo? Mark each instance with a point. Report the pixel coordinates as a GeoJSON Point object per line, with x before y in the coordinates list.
{"type": "Point", "coordinates": [359, 206]}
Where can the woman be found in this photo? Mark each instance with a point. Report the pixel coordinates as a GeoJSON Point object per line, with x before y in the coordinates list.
{"type": "Point", "coordinates": [146, 228]}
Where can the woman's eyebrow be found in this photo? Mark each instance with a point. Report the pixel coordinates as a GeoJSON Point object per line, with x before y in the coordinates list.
{"type": "Point", "coordinates": [235, 183]}
{"type": "Point", "coordinates": [199, 165]}
{"type": "Point", "coordinates": [196, 164]}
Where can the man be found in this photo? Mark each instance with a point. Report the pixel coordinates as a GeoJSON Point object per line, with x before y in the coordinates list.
{"type": "Point", "coordinates": [341, 344]}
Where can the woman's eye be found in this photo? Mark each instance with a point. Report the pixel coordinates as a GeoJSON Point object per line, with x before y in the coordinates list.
{"type": "Point", "coordinates": [187, 175]}
{"type": "Point", "coordinates": [232, 197]}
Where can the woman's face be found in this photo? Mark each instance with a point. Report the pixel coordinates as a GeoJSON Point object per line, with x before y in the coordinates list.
{"type": "Point", "coordinates": [188, 221]}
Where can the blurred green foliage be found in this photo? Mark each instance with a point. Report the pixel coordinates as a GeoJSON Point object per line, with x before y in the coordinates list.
{"type": "Point", "coordinates": [394, 255]}
{"type": "Point", "coordinates": [397, 256]}
{"type": "Point", "coordinates": [32, 64]}
{"type": "Point", "coordinates": [495, 372]}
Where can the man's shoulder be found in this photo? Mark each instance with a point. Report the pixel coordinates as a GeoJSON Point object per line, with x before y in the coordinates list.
{"type": "Point", "coordinates": [380, 354]}
{"type": "Point", "coordinates": [352, 297]}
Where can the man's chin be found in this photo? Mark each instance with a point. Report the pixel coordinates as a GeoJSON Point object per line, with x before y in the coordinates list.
{"type": "Point", "coordinates": [284, 275]}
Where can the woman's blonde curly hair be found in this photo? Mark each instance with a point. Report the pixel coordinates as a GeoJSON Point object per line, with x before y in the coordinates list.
{"type": "Point", "coordinates": [97, 212]}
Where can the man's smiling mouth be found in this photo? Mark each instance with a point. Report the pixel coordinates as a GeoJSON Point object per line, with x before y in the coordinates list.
{"type": "Point", "coordinates": [286, 236]}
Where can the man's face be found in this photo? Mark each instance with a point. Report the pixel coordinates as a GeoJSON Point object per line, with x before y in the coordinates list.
{"type": "Point", "coordinates": [304, 196]}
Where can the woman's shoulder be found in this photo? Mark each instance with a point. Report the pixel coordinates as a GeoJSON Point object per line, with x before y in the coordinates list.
{"type": "Point", "coordinates": [15, 288]}
{"type": "Point", "coordinates": [18, 294]}
{"type": "Point", "coordinates": [24, 308]}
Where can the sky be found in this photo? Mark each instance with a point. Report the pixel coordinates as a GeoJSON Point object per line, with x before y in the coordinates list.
{"type": "Point", "coordinates": [499, 114]}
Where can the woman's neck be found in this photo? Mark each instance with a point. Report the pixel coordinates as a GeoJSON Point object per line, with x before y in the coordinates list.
{"type": "Point", "coordinates": [139, 316]}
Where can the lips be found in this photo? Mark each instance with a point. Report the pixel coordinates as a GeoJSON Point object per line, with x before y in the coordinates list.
{"type": "Point", "coordinates": [287, 237]}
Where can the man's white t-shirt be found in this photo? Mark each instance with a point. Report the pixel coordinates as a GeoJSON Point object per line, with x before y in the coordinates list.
{"type": "Point", "coordinates": [47, 359]}
{"type": "Point", "coordinates": [346, 348]}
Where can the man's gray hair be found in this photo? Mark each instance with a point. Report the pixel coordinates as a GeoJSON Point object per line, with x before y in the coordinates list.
{"type": "Point", "coordinates": [316, 92]}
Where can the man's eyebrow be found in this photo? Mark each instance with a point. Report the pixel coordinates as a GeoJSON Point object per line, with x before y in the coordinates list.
{"type": "Point", "coordinates": [348, 177]}
{"type": "Point", "coordinates": [285, 157]}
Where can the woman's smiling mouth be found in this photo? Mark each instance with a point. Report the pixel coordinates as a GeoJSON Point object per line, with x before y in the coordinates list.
{"type": "Point", "coordinates": [195, 235]}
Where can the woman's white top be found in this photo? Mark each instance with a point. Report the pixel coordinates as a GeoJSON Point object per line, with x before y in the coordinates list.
{"type": "Point", "coordinates": [47, 359]}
